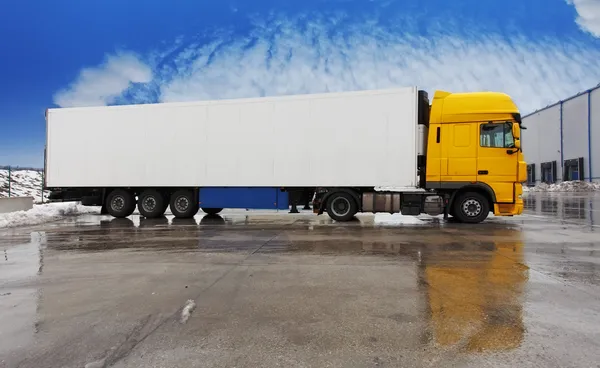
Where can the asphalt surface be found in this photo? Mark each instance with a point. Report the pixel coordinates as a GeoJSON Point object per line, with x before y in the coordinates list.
{"type": "Point", "coordinates": [280, 290]}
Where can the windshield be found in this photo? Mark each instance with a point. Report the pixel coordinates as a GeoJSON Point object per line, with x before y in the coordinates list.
{"type": "Point", "coordinates": [497, 135]}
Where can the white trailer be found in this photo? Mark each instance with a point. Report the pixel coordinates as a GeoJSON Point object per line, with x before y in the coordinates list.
{"type": "Point", "coordinates": [338, 139]}
{"type": "Point", "coordinates": [244, 153]}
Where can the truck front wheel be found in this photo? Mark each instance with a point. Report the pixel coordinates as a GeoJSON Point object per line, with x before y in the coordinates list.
{"type": "Point", "coordinates": [151, 203]}
{"type": "Point", "coordinates": [471, 207]}
{"type": "Point", "coordinates": [341, 207]}
{"type": "Point", "coordinates": [184, 204]}
{"type": "Point", "coordinates": [120, 203]}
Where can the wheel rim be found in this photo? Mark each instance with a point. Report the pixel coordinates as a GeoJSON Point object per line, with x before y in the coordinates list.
{"type": "Point", "coordinates": [117, 203]}
{"type": "Point", "coordinates": [471, 207]}
{"type": "Point", "coordinates": [182, 204]}
{"type": "Point", "coordinates": [340, 206]}
{"type": "Point", "coordinates": [149, 204]}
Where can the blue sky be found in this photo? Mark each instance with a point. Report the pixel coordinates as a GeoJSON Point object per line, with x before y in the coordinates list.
{"type": "Point", "coordinates": [84, 53]}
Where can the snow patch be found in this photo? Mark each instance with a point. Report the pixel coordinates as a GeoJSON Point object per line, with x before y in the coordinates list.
{"type": "Point", "coordinates": [40, 214]}
{"type": "Point", "coordinates": [387, 219]}
{"type": "Point", "coordinates": [398, 189]}
{"type": "Point", "coordinates": [187, 310]}
{"type": "Point", "coordinates": [23, 183]}
{"type": "Point", "coordinates": [565, 186]}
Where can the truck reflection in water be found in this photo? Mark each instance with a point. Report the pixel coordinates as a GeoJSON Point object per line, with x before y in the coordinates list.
{"type": "Point", "coordinates": [471, 290]}
{"type": "Point", "coordinates": [474, 293]}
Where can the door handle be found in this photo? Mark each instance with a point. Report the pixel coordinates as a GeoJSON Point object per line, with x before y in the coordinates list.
{"type": "Point", "coordinates": [482, 172]}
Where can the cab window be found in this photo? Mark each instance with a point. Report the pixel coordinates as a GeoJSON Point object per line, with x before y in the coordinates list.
{"type": "Point", "coordinates": [496, 135]}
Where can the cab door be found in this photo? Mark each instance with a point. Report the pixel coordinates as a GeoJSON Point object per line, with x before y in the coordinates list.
{"type": "Point", "coordinates": [497, 159]}
{"type": "Point", "coordinates": [460, 153]}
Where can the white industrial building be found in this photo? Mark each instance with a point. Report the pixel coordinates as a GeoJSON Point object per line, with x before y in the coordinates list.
{"type": "Point", "coordinates": [559, 141]}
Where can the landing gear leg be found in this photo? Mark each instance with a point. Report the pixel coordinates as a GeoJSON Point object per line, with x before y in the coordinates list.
{"type": "Point", "coordinates": [446, 200]}
{"type": "Point", "coordinates": [103, 210]}
{"type": "Point", "coordinates": [294, 201]}
{"type": "Point", "coordinates": [308, 196]}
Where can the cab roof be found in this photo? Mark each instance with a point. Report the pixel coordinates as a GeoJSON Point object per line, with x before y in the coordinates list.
{"type": "Point", "coordinates": [472, 106]}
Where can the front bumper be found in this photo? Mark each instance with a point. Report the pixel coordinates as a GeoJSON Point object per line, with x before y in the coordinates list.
{"type": "Point", "coordinates": [511, 209]}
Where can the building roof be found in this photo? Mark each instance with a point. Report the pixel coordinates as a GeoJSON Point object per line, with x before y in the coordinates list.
{"type": "Point", "coordinates": [565, 100]}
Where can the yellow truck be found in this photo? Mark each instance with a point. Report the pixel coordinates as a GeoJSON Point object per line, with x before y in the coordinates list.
{"type": "Point", "coordinates": [469, 161]}
{"type": "Point", "coordinates": [371, 151]}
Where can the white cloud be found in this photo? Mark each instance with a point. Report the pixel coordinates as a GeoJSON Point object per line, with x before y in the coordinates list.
{"type": "Point", "coordinates": [588, 15]}
{"type": "Point", "coordinates": [286, 56]}
{"type": "Point", "coordinates": [102, 84]}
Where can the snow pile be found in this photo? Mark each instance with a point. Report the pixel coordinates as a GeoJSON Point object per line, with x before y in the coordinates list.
{"type": "Point", "coordinates": [24, 183]}
{"type": "Point", "coordinates": [566, 186]}
{"type": "Point", "coordinates": [40, 214]}
{"type": "Point", "coordinates": [398, 189]}
{"type": "Point", "coordinates": [386, 219]}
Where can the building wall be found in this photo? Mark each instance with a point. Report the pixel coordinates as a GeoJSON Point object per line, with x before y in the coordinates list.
{"type": "Point", "coordinates": [574, 122]}
{"type": "Point", "coordinates": [595, 136]}
{"type": "Point", "coordinates": [541, 139]}
{"type": "Point", "coordinates": [575, 131]}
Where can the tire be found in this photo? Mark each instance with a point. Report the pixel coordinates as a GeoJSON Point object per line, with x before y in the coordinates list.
{"type": "Point", "coordinates": [212, 211]}
{"type": "Point", "coordinates": [151, 203]}
{"type": "Point", "coordinates": [341, 207]}
{"type": "Point", "coordinates": [471, 207]}
{"type": "Point", "coordinates": [120, 203]}
{"type": "Point", "coordinates": [184, 204]}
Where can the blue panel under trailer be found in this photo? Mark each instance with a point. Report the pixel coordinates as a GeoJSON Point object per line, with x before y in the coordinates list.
{"type": "Point", "coordinates": [244, 197]}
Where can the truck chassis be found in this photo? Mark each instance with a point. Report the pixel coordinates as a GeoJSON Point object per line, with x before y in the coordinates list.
{"type": "Point", "coordinates": [469, 204]}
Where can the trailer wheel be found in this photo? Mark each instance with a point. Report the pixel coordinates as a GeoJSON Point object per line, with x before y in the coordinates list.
{"type": "Point", "coordinates": [212, 211]}
{"type": "Point", "coordinates": [471, 207]}
{"type": "Point", "coordinates": [184, 204]}
{"type": "Point", "coordinates": [151, 203]}
{"type": "Point", "coordinates": [341, 207]}
{"type": "Point", "coordinates": [120, 203]}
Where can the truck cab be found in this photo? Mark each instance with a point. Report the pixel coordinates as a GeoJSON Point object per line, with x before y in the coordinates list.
{"type": "Point", "coordinates": [474, 154]}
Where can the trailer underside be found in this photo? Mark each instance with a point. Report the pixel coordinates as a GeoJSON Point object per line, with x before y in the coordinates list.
{"type": "Point", "coordinates": [341, 204]}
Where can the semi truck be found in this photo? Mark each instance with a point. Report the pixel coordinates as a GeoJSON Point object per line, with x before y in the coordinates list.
{"type": "Point", "coordinates": [372, 151]}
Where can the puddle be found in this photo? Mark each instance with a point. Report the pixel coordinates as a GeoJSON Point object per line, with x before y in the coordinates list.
{"type": "Point", "coordinates": [20, 266]}
{"type": "Point", "coordinates": [575, 207]}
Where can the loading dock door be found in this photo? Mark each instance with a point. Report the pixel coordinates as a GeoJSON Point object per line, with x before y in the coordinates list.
{"type": "Point", "coordinates": [574, 169]}
{"type": "Point", "coordinates": [548, 172]}
{"type": "Point", "coordinates": [531, 174]}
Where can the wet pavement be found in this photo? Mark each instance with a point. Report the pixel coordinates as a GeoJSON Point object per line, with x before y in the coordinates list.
{"type": "Point", "coordinates": [298, 290]}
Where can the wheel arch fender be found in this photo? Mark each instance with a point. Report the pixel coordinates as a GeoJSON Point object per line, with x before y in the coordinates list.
{"type": "Point", "coordinates": [482, 188]}
{"type": "Point", "coordinates": [331, 191]}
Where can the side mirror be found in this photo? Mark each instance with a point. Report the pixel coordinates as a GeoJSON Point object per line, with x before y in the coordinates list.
{"type": "Point", "coordinates": [517, 143]}
{"type": "Point", "coordinates": [516, 131]}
